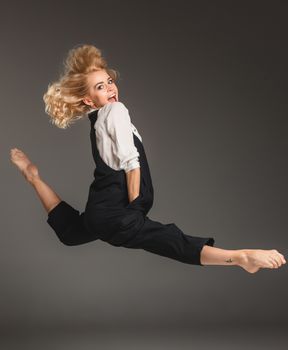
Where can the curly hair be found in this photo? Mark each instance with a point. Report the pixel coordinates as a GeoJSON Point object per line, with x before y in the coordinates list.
{"type": "Point", "coordinates": [64, 98]}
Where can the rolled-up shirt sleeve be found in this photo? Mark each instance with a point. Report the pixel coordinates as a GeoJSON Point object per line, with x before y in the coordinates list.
{"type": "Point", "coordinates": [118, 123]}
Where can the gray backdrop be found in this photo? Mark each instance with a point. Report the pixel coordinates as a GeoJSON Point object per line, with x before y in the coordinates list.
{"type": "Point", "coordinates": [206, 86]}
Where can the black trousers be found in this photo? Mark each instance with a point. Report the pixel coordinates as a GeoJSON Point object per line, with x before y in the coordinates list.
{"type": "Point", "coordinates": [163, 239]}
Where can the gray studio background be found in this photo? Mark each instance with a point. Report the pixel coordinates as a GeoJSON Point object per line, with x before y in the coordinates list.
{"type": "Point", "coordinates": [206, 86]}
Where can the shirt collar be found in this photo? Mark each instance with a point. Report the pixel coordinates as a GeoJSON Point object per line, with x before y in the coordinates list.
{"type": "Point", "coordinates": [92, 114]}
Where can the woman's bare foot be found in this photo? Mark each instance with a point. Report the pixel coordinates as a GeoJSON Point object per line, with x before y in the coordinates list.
{"type": "Point", "coordinates": [28, 169]}
{"type": "Point", "coordinates": [252, 260]}
{"type": "Point", "coordinates": [48, 197]}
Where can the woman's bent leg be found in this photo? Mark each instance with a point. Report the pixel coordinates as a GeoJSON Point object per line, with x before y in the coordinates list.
{"type": "Point", "coordinates": [69, 225]}
{"type": "Point", "coordinates": [66, 221]}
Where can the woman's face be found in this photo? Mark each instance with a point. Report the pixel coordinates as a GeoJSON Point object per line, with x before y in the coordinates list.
{"type": "Point", "coordinates": [100, 89]}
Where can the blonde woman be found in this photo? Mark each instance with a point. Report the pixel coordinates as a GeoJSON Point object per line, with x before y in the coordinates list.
{"type": "Point", "coordinates": [121, 194]}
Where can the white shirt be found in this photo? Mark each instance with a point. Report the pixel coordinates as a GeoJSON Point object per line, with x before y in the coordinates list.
{"type": "Point", "coordinates": [114, 137]}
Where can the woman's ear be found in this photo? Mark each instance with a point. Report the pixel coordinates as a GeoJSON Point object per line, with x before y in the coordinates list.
{"type": "Point", "coordinates": [88, 101]}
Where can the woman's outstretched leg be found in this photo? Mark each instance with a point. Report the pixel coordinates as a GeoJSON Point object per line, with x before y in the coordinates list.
{"type": "Point", "coordinates": [67, 222]}
{"type": "Point", "coordinates": [168, 240]}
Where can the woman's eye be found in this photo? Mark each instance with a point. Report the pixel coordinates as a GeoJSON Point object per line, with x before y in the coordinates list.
{"type": "Point", "coordinates": [111, 81]}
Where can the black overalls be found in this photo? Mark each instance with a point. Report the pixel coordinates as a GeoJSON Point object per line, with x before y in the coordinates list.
{"type": "Point", "coordinates": [110, 217]}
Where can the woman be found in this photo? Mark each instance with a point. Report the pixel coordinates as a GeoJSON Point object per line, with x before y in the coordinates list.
{"type": "Point", "coordinates": [121, 194]}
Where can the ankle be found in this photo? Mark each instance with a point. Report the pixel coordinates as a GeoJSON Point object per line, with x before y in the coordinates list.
{"type": "Point", "coordinates": [240, 257]}
{"type": "Point", "coordinates": [34, 180]}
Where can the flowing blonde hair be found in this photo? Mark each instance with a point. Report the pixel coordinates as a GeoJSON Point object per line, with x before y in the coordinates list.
{"type": "Point", "coordinates": [64, 98]}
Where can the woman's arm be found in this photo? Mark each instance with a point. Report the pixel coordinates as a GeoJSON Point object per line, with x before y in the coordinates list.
{"type": "Point", "coordinates": [133, 183]}
{"type": "Point", "coordinates": [119, 128]}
